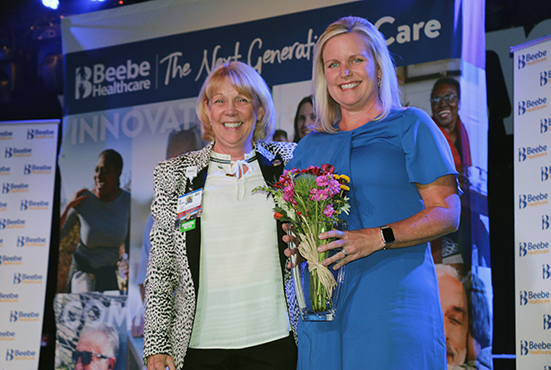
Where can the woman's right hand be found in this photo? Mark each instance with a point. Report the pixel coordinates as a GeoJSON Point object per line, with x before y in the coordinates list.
{"type": "Point", "coordinates": [160, 362]}
{"type": "Point", "coordinates": [75, 201]}
{"type": "Point", "coordinates": [77, 198]}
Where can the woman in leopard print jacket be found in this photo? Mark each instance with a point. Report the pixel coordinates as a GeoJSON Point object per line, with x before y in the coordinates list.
{"type": "Point", "coordinates": [216, 292]}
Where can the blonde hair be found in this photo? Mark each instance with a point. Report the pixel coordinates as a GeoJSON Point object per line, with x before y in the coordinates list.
{"type": "Point", "coordinates": [327, 110]}
{"type": "Point", "coordinates": [247, 82]}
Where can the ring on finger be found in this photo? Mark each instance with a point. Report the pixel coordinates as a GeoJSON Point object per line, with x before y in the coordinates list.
{"type": "Point", "coordinates": [344, 252]}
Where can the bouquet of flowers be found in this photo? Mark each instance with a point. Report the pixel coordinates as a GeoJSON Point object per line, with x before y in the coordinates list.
{"type": "Point", "coordinates": [312, 199]}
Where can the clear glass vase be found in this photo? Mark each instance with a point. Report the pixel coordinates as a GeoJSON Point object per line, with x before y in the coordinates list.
{"type": "Point", "coordinates": [317, 287]}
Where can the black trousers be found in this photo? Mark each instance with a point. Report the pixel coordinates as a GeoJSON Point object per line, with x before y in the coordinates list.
{"type": "Point", "coordinates": [277, 355]}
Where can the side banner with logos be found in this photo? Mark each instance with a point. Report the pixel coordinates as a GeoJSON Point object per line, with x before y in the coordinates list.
{"type": "Point", "coordinates": [27, 173]}
{"type": "Point", "coordinates": [532, 126]}
{"type": "Point", "coordinates": [133, 74]}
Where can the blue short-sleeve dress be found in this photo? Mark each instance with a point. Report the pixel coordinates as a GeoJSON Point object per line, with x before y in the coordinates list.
{"type": "Point", "coordinates": [389, 316]}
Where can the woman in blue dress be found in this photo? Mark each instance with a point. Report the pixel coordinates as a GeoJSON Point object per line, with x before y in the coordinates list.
{"type": "Point", "coordinates": [403, 194]}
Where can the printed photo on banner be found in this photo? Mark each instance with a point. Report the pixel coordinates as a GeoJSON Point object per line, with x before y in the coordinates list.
{"type": "Point", "coordinates": [90, 327]}
{"type": "Point", "coordinates": [95, 219]}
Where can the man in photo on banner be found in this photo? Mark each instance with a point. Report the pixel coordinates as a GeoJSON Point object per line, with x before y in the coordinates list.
{"type": "Point", "coordinates": [97, 348]}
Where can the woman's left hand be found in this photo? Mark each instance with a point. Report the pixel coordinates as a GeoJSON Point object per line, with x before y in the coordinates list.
{"type": "Point", "coordinates": [355, 244]}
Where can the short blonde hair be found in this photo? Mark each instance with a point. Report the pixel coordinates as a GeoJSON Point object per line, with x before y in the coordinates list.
{"type": "Point", "coordinates": [247, 82]}
{"type": "Point", "coordinates": [327, 110]}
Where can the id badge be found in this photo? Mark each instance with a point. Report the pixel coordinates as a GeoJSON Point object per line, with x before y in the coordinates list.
{"type": "Point", "coordinates": [189, 209]}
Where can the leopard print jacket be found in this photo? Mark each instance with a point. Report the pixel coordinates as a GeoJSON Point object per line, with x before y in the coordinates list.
{"type": "Point", "coordinates": [170, 285]}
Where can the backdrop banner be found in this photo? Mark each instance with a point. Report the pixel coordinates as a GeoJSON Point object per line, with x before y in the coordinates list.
{"type": "Point", "coordinates": [27, 174]}
{"type": "Point", "coordinates": [532, 126]}
{"type": "Point", "coordinates": [132, 75]}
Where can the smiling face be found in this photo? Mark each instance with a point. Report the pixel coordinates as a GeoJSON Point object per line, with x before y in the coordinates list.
{"type": "Point", "coordinates": [445, 113]}
{"type": "Point", "coordinates": [233, 117]}
{"type": "Point", "coordinates": [456, 317]}
{"type": "Point", "coordinates": [305, 119]}
{"type": "Point", "coordinates": [106, 178]}
{"type": "Point", "coordinates": [351, 72]}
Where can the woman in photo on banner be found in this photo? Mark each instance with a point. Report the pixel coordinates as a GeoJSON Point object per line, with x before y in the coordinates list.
{"type": "Point", "coordinates": [104, 218]}
{"type": "Point", "coordinates": [215, 285]}
{"type": "Point", "coordinates": [403, 193]}
{"type": "Point", "coordinates": [304, 118]}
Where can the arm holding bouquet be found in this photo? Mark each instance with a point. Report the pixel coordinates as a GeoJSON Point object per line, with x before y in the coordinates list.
{"type": "Point", "coordinates": [439, 217]}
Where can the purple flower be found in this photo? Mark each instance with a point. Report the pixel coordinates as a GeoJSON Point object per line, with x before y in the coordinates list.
{"type": "Point", "coordinates": [328, 211]}
{"type": "Point", "coordinates": [322, 180]}
{"type": "Point", "coordinates": [318, 194]}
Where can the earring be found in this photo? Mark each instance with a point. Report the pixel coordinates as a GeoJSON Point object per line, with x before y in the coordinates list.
{"type": "Point", "coordinates": [379, 82]}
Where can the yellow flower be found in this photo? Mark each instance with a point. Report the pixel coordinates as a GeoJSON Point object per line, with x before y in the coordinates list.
{"type": "Point", "coordinates": [344, 187]}
{"type": "Point", "coordinates": [345, 178]}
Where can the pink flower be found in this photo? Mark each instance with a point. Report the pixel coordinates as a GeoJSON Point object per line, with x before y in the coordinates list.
{"type": "Point", "coordinates": [289, 194]}
{"type": "Point", "coordinates": [318, 194]}
{"type": "Point", "coordinates": [328, 211]}
{"type": "Point", "coordinates": [322, 180]}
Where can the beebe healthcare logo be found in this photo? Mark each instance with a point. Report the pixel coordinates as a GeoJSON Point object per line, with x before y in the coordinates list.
{"type": "Point", "coordinates": [18, 355]}
{"type": "Point", "coordinates": [546, 271]}
{"type": "Point", "coordinates": [529, 297]}
{"type": "Point", "coordinates": [545, 125]}
{"type": "Point", "coordinates": [545, 222]}
{"type": "Point", "coordinates": [31, 205]}
{"type": "Point", "coordinates": [529, 59]}
{"type": "Point", "coordinates": [530, 249]}
{"type": "Point", "coordinates": [528, 152]}
{"type": "Point", "coordinates": [26, 241]}
{"type": "Point", "coordinates": [545, 172]}
{"type": "Point", "coordinates": [532, 200]}
{"type": "Point", "coordinates": [22, 278]}
{"type": "Point", "coordinates": [33, 169]}
{"type": "Point", "coordinates": [12, 152]}
{"type": "Point", "coordinates": [8, 223]}
{"type": "Point", "coordinates": [528, 106]}
{"type": "Point", "coordinates": [33, 134]}
{"type": "Point", "coordinates": [9, 297]}
{"type": "Point", "coordinates": [4, 170]}
{"type": "Point", "coordinates": [22, 316]}
{"type": "Point", "coordinates": [7, 335]}
{"type": "Point", "coordinates": [3, 206]}
{"type": "Point", "coordinates": [6, 135]}
{"type": "Point", "coordinates": [101, 80]}
{"type": "Point", "coordinates": [545, 76]}
{"type": "Point", "coordinates": [528, 347]}
{"type": "Point", "coordinates": [10, 260]}
{"type": "Point", "coordinates": [10, 187]}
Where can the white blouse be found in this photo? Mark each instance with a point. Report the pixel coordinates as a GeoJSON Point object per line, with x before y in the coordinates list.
{"type": "Point", "coordinates": [241, 302]}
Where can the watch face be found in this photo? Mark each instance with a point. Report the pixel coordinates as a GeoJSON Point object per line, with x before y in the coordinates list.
{"type": "Point", "coordinates": [388, 235]}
